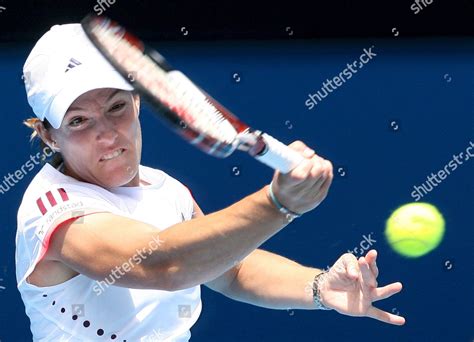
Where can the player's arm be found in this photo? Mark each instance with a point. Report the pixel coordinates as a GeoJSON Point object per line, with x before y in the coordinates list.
{"type": "Point", "coordinates": [266, 279]}
{"type": "Point", "coordinates": [269, 280]}
{"type": "Point", "coordinates": [186, 254]}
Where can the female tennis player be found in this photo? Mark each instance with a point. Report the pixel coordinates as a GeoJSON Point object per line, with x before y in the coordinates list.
{"type": "Point", "coordinates": [109, 249]}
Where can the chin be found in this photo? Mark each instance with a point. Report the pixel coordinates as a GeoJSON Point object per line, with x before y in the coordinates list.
{"type": "Point", "coordinates": [119, 175]}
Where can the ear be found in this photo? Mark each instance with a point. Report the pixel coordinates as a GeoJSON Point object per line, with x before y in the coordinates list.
{"type": "Point", "coordinates": [46, 136]}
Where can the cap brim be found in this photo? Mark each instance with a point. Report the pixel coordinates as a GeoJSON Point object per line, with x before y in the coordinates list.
{"type": "Point", "coordinates": [81, 84]}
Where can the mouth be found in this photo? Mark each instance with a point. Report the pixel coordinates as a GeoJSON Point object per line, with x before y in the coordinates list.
{"type": "Point", "coordinates": [113, 155]}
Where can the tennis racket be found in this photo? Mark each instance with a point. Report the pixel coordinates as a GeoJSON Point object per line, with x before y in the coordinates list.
{"type": "Point", "coordinates": [184, 106]}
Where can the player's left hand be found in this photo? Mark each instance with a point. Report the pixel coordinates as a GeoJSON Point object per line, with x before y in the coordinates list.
{"type": "Point", "coordinates": [350, 287]}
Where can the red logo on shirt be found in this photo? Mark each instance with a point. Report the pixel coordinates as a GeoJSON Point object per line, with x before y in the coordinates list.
{"type": "Point", "coordinates": [53, 198]}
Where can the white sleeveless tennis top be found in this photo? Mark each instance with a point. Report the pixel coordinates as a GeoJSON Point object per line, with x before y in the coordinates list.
{"type": "Point", "coordinates": [82, 309]}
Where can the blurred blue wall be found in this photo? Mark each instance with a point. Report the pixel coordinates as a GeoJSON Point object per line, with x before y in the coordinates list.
{"type": "Point", "coordinates": [400, 118]}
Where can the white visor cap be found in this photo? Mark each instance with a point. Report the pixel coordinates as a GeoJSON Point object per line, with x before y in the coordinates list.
{"type": "Point", "coordinates": [63, 65]}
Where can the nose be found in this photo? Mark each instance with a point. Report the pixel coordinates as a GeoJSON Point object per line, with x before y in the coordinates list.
{"type": "Point", "coordinates": [106, 131]}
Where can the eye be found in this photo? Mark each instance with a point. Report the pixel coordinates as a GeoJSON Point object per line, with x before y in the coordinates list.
{"type": "Point", "coordinates": [117, 107]}
{"type": "Point", "coordinates": [76, 121]}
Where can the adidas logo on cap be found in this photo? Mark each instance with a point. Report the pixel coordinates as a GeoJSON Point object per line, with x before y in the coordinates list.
{"type": "Point", "coordinates": [72, 64]}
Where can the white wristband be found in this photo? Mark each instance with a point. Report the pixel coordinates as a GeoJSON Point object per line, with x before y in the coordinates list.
{"type": "Point", "coordinates": [290, 215]}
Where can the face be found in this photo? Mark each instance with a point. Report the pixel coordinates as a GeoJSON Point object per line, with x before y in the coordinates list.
{"type": "Point", "coordinates": [100, 138]}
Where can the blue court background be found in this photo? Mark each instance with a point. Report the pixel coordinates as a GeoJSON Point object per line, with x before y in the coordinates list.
{"type": "Point", "coordinates": [397, 120]}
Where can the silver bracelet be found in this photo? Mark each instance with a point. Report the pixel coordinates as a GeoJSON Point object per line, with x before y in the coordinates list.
{"type": "Point", "coordinates": [290, 215]}
{"type": "Point", "coordinates": [316, 291]}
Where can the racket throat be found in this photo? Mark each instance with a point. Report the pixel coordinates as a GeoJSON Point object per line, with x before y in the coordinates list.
{"type": "Point", "coordinates": [252, 142]}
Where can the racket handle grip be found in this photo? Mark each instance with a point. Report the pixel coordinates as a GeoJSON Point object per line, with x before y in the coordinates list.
{"type": "Point", "coordinates": [278, 155]}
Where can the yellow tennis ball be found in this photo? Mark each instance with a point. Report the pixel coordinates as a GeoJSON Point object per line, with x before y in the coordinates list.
{"type": "Point", "coordinates": [415, 229]}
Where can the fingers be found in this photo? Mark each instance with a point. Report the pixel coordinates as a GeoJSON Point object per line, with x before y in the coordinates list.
{"type": "Point", "coordinates": [371, 258]}
{"type": "Point", "coordinates": [384, 316]}
{"type": "Point", "coordinates": [386, 291]}
{"type": "Point", "coordinates": [368, 277]}
{"type": "Point", "coordinates": [323, 183]}
{"type": "Point", "coordinates": [314, 169]}
{"type": "Point", "coordinates": [300, 173]}
{"type": "Point", "coordinates": [354, 267]}
{"type": "Point", "coordinates": [350, 265]}
{"type": "Point", "coordinates": [383, 293]}
{"type": "Point", "coordinates": [321, 170]}
{"type": "Point", "coordinates": [308, 153]}
{"type": "Point", "coordinates": [301, 147]}
{"type": "Point", "coordinates": [321, 173]}
{"type": "Point", "coordinates": [327, 183]}
{"type": "Point", "coordinates": [319, 177]}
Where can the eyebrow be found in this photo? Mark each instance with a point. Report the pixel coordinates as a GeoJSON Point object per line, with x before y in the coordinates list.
{"type": "Point", "coordinates": [108, 98]}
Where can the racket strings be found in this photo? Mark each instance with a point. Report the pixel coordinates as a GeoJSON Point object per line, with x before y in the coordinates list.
{"type": "Point", "coordinates": [196, 108]}
{"type": "Point", "coordinates": [134, 61]}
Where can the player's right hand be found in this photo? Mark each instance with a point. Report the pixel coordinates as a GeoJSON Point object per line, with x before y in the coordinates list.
{"type": "Point", "coordinates": [307, 185]}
